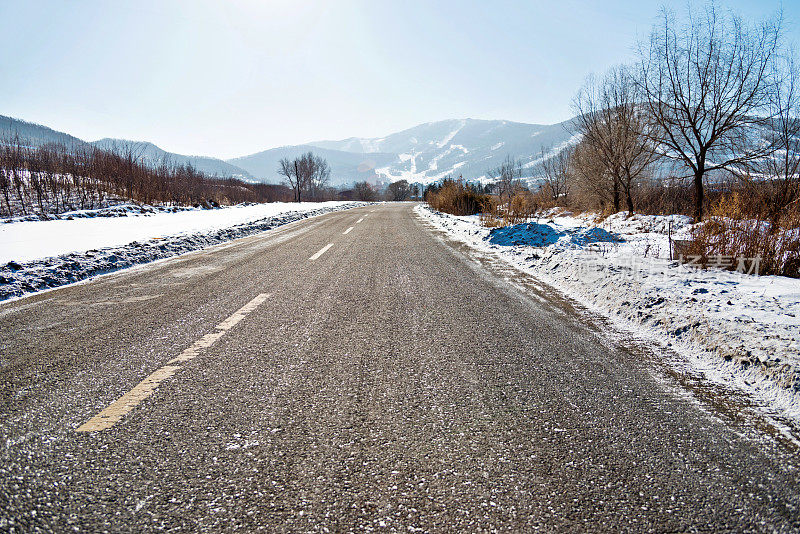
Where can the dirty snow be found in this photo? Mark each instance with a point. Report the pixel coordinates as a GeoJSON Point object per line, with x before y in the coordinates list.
{"type": "Point", "coordinates": [736, 328]}
{"type": "Point", "coordinates": [46, 254]}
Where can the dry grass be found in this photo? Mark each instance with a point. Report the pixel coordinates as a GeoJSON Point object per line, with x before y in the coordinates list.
{"type": "Point", "coordinates": [522, 207]}
{"type": "Point", "coordinates": [457, 199]}
{"type": "Point", "coordinates": [738, 230]}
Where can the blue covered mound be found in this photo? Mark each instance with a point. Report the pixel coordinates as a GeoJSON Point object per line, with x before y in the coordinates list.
{"type": "Point", "coordinates": [528, 234]}
{"type": "Point", "coordinates": [542, 235]}
{"type": "Point", "coordinates": [594, 235]}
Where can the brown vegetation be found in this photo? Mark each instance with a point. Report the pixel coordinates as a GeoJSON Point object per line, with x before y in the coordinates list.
{"type": "Point", "coordinates": [739, 234]}
{"type": "Point", "coordinates": [456, 198]}
{"type": "Point", "coordinates": [52, 179]}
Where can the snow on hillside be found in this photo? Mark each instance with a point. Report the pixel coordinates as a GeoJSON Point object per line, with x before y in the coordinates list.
{"type": "Point", "coordinates": [459, 147]}
{"type": "Point", "coordinates": [45, 254]}
{"type": "Point", "coordinates": [422, 154]}
{"type": "Point", "coordinates": [735, 328]}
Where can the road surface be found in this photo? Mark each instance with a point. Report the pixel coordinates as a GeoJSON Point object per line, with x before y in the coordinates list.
{"type": "Point", "coordinates": [355, 371]}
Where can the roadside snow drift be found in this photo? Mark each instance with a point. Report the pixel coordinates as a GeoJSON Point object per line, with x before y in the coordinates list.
{"type": "Point", "coordinates": [37, 255]}
{"type": "Point", "coordinates": [621, 268]}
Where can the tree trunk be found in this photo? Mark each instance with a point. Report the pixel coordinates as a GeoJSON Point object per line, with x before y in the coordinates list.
{"type": "Point", "coordinates": [698, 197]}
{"type": "Point", "coordinates": [616, 195]}
{"type": "Point", "coordinates": [629, 201]}
{"type": "Point", "coordinates": [297, 182]}
{"type": "Point", "coordinates": [8, 202]}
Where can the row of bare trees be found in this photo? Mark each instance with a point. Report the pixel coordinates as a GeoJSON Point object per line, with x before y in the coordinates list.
{"type": "Point", "coordinates": [714, 95]}
{"type": "Point", "coordinates": [53, 179]}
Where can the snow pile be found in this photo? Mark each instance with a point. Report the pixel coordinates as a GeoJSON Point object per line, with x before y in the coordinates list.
{"type": "Point", "coordinates": [46, 254]}
{"type": "Point", "coordinates": [749, 325]}
{"type": "Point", "coordinates": [121, 209]}
{"type": "Point", "coordinates": [542, 235]}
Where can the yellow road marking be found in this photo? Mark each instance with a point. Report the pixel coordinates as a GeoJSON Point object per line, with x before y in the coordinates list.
{"type": "Point", "coordinates": [321, 252]}
{"type": "Point", "coordinates": [122, 406]}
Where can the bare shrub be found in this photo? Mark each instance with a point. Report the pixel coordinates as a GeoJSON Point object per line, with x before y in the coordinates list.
{"type": "Point", "coordinates": [555, 171]}
{"type": "Point", "coordinates": [364, 191]}
{"type": "Point", "coordinates": [456, 198]}
{"type": "Point", "coordinates": [740, 230]}
{"type": "Point", "coordinates": [507, 177]}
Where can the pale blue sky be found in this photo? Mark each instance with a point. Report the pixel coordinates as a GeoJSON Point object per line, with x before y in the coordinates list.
{"type": "Point", "coordinates": [230, 78]}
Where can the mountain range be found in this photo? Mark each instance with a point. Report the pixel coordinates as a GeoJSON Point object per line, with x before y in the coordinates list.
{"type": "Point", "coordinates": [424, 153]}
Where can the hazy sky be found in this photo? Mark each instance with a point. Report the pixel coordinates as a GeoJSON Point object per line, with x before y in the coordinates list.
{"type": "Point", "coordinates": [230, 78]}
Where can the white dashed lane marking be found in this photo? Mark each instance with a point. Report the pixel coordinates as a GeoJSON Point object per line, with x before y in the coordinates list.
{"type": "Point", "coordinates": [321, 252]}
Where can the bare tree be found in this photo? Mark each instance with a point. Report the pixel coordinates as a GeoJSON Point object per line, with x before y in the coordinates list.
{"type": "Point", "coordinates": [707, 89]}
{"type": "Point", "coordinates": [5, 180]}
{"type": "Point", "coordinates": [364, 191]}
{"type": "Point", "coordinates": [593, 178]}
{"type": "Point", "coordinates": [508, 177]}
{"type": "Point", "coordinates": [320, 175]}
{"type": "Point", "coordinates": [399, 190]}
{"type": "Point", "coordinates": [306, 173]}
{"type": "Point", "coordinates": [289, 170]}
{"type": "Point", "coordinates": [782, 168]}
{"type": "Point", "coordinates": [555, 172]}
{"type": "Point", "coordinates": [611, 119]}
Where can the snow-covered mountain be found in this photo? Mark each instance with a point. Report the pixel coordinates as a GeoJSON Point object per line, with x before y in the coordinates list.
{"type": "Point", "coordinates": [466, 147]}
{"type": "Point", "coordinates": [346, 167]}
{"type": "Point", "coordinates": [424, 153]}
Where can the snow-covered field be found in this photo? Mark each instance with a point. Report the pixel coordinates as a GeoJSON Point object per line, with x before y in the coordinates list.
{"type": "Point", "coordinates": [735, 328]}
{"type": "Point", "coordinates": [36, 255]}
{"type": "Point", "coordinates": [26, 241]}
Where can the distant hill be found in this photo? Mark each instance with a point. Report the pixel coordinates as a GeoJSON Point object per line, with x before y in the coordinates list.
{"type": "Point", "coordinates": [424, 153]}
{"type": "Point", "coordinates": [346, 167]}
{"type": "Point", "coordinates": [150, 154]}
{"type": "Point", "coordinates": [466, 147]}
{"type": "Point", "coordinates": [36, 134]}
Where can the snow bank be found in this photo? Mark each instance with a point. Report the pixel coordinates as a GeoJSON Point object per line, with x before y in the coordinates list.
{"type": "Point", "coordinates": [46, 254]}
{"type": "Point", "coordinates": [117, 226]}
{"type": "Point", "coordinates": [111, 208]}
{"type": "Point", "coordinates": [747, 326]}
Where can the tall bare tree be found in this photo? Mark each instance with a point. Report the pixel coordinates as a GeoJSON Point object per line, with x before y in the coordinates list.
{"type": "Point", "coordinates": [305, 174]}
{"type": "Point", "coordinates": [707, 88]}
{"type": "Point", "coordinates": [612, 120]}
{"type": "Point", "coordinates": [289, 170]}
{"type": "Point", "coordinates": [320, 173]}
{"type": "Point", "coordinates": [508, 177]}
{"type": "Point", "coordinates": [555, 172]}
{"type": "Point", "coordinates": [782, 168]}
{"type": "Point", "coordinates": [593, 178]}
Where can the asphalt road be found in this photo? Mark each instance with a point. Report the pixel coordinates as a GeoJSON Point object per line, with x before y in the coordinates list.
{"type": "Point", "coordinates": [391, 383]}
